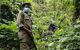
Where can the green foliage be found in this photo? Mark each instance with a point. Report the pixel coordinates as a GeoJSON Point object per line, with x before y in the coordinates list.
{"type": "Point", "coordinates": [59, 12]}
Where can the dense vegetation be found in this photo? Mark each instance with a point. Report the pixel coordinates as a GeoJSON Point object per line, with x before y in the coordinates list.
{"type": "Point", "coordinates": [44, 12]}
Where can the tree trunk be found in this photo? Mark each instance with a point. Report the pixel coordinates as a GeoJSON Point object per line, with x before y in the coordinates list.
{"type": "Point", "coordinates": [77, 10]}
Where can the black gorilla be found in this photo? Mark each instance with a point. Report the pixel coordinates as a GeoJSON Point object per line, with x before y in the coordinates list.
{"type": "Point", "coordinates": [52, 27]}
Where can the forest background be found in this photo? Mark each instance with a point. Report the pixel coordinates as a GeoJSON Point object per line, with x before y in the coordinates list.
{"type": "Point", "coordinates": [63, 13]}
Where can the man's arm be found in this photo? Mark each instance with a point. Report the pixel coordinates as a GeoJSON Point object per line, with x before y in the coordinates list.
{"type": "Point", "coordinates": [29, 32]}
{"type": "Point", "coordinates": [20, 24]}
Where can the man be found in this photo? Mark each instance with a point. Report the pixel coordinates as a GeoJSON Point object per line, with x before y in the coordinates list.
{"type": "Point", "coordinates": [25, 28]}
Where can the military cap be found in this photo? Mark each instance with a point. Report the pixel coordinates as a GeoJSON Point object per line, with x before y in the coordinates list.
{"type": "Point", "coordinates": [29, 4]}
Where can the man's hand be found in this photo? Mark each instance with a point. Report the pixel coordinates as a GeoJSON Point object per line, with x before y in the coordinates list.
{"type": "Point", "coordinates": [29, 32]}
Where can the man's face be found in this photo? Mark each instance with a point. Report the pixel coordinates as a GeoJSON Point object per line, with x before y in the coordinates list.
{"type": "Point", "coordinates": [26, 9]}
{"type": "Point", "coordinates": [26, 6]}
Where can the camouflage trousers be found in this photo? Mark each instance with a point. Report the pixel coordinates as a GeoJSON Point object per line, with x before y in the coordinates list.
{"type": "Point", "coordinates": [26, 42]}
{"type": "Point", "coordinates": [24, 46]}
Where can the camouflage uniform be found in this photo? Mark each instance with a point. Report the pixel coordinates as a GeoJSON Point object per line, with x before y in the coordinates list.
{"type": "Point", "coordinates": [26, 42]}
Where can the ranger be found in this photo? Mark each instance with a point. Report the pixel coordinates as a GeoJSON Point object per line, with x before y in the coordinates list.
{"type": "Point", "coordinates": [25, 28]}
